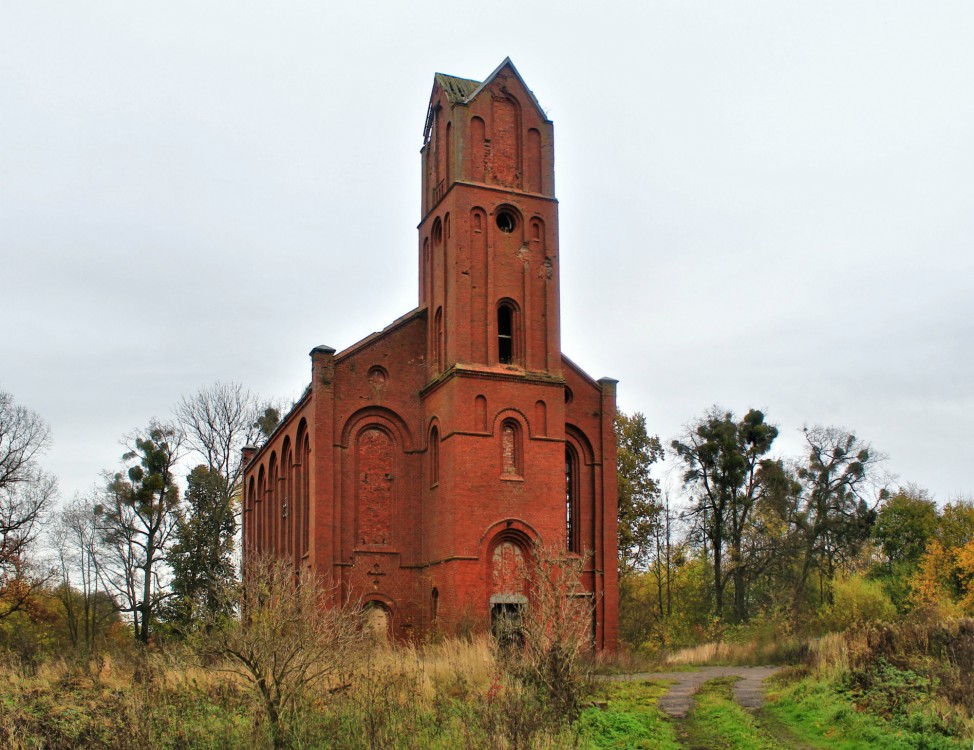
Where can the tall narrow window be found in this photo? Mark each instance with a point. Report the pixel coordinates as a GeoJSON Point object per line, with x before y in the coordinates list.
{"type": "Point", "coordinates": [249, 519]}
{"type": "Point", "coordinates": [297, 502]}
{"type": "Point", "coordinates": [511, 451]}
{"type": "Point", "coordinates": [375, 455]}
{"type": "Point", "coordinates": [260, 521]}
{"type": "Point", "coordinates": [305, 496]}
{"type": "Point", "coordinates": [481, 413]}
{"type": "Point", "coordinates": [287, 503]}
{"type": "Point", "coordinates": [505, 334]}
{"type": "Point", "coordinates": [438, 339]}
{"type": "Point", "coordinates": [449, 148]}
{"type": "Point", "coordinates": [273, 508]}
{"type": "Point", "coordinates": [434, 457]}
{"type": "Point", "coordinates": [571, 495]}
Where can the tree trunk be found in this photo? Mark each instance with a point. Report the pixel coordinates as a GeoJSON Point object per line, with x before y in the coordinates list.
{"type": "Point", "coordinates": [803, 576]}
{"type": "Point", "coordinates": [659, 572]}
{"type": "Point", "coordinates": [146, 595]}
{"type": "Point", "coordinates": [740, 594]}
{"type": "Point", "coordinates": [669, 569]}
{"type": "Point", "coordinates": [718, 552]}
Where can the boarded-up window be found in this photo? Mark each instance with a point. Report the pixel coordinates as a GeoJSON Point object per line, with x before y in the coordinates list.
{"type": "Point", "coordinates": [477, 151]}
{"type": "Point", "coordinates": [375, 486]}
{"type": "Point", "coordinates": [508, 570]}
{"type": "Point", "coordinates": [511, 459]}
{"type": "Point", "coordinates": [532, 162]}
{"type": "Point", "coordinates": [504, 143]}
{"type": "Point", "coordinates": [481, 413]}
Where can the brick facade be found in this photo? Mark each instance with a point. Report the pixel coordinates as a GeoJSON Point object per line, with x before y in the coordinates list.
{"type": "Point", "coordinates": [424, 461]}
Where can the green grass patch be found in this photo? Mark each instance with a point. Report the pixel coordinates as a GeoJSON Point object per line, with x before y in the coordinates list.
{"type": "Point", "coordinates": [631, 719]}
{"type": "Point", "coordinates": [716, 720]}
{"type": "Point", "coordinates": [826, 715]}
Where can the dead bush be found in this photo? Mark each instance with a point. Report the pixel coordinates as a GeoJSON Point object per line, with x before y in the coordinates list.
{"type": "Point", "coordinates": [289, 641]}
{"type": "Point", "coordinates": [544, 648]}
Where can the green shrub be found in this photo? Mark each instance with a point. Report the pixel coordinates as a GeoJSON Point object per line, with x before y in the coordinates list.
{"type": "Point", "coordinates": [856, 601]}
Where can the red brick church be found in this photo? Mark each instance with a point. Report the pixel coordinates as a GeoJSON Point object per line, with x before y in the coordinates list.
{"type": "Point", "coordinates": [425, 458]}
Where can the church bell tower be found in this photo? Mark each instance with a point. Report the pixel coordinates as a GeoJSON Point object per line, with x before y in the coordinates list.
{"type": "Point", "coordinates": [488, 238]}
{"type": "Point", "coordinates": [427, 462]}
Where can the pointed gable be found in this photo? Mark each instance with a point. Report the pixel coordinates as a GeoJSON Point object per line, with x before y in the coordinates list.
{"type": "Point", "coordinates": [464, 90]}
{"type": "Point", "coordinates": [490, 132]}
{"type": "Point", "coordinates": [507, 67]}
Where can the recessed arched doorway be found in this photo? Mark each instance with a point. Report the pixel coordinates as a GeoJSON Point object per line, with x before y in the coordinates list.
{"type": "Point", "coordinates": [508, 594]}
{"type": "Point", "coordinates": [377, 620]}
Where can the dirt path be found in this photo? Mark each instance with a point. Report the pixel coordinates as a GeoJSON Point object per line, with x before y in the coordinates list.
{"type": "Point", "coordinates": [748, 691]}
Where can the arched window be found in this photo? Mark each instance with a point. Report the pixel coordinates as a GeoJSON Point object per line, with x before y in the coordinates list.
{"type": "Point", "coordinates": [511, 452]}
{"type": "Point", "coordinates": [287, 500]}
{"type": "Point", "coordinates": [434, 457]}
{"type": "Point", "coordinates": [427, 271]}
{"type": "Point", "coordinates": [260, 521]}
{"type": "Point", "coordinates": [571, 499]}
{"type": "Point", "coordinates": [478, 156]}
{"type": "Point", "coordinates": [249, 518]}
{"type": "Point", "coordinates": [273, 507]}
{"type": "Point", "coordinates": [434, 605]}
{"type": "Point", "coordinates": [305, 495]}
{"type": "Point", "coordinates": [438, 339]}
{"type": "Point", "coordinates": [376, 478]}
{"type": "Point", "coordinates": [481, 413]}
{"type": "Point", "coordinates": [505, 333]}
{"type": "Point", "coordinates": [541, 417]}
{"type": "Point", "coordinates": [449, 148]}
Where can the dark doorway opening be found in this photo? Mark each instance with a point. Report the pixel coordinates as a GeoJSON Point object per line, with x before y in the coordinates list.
{"type": "Point", "coordinates": [507, 622]}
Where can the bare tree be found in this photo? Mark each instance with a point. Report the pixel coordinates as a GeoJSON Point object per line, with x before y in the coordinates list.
{"type": "Point", "coordinates": [26, 494]}
{"type": "Point", "coordinates": [661, 565]}
{"type": "Point", "coordinates": [289, 641]}
{"type": "Point", "coordinates": [87, 605]}
{"type": "Point", "coordinates": [218, 421]}
{"type": "Point", "coordinates": [137, 518]}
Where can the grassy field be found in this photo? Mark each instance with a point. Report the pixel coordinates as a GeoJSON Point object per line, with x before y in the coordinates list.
{"type": "Point", "coordinates": [626, 716]}
{"type": "Point", "coordinates": [453, 695]}
{"type": "Point", "coordinates": [806, 714]}
{"type": "Point", "coordinates": [825, 714]}
{"type": "Point", "coordinates": [460, 694]}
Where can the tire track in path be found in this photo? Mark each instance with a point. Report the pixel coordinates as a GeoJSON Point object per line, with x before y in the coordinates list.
{"type": "Point", "coordinates": [748, 690]}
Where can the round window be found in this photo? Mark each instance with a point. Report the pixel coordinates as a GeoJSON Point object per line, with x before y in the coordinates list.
{"type": "Point", "coordinates": [506, 221]}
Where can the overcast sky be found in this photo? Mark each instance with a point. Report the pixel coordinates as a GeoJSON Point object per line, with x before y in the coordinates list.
{"type": "Point", "coordinates": [765, 204]}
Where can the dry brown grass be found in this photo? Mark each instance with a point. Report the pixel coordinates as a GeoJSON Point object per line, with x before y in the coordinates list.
{"type": "Point", "coordinates": [170, 697]}
{"type": "Point", "coordinates": [828, 656]}
{"type": "Point", "coordinates": [784, 651]}
{"type": "Point", "coordinates": [453, 666]}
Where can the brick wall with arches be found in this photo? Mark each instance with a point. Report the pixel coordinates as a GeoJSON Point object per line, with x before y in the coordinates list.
{"type": "Point", "coordinates": [424, 461]}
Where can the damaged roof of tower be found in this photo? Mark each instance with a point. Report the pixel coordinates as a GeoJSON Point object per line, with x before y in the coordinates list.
{"type": "Point", "coordinates": [457, 89]}
{"type": "Point", "coordinates": [463, 90]}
